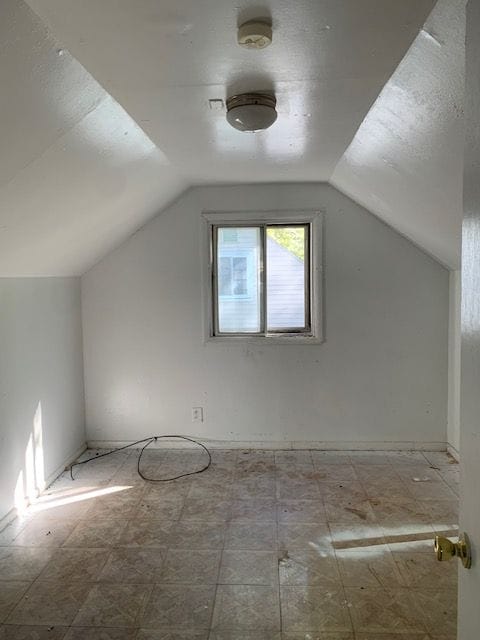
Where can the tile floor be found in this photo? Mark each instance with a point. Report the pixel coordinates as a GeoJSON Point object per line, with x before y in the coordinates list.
{"type": "Point", "coordinates": [287, 545]}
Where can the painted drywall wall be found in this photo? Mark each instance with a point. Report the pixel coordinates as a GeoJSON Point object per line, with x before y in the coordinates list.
{"type": "Point", "coordinates": [454, 362]}
{"type": "Point", "coordinates": [380, 376]}
{"type": "Point", "coordinates": [41, 383]}
{"type": "Point", "coordinates": [469, 581]}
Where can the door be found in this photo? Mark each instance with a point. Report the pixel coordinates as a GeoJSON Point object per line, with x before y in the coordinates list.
{"type": "Point", "coordinates": [469, 580]}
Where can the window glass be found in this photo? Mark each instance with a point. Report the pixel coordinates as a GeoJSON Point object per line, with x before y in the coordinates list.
{"type": "Point", "coordinates": [286, 278]}
{"type": "Point", "coordinates": [238, 255]}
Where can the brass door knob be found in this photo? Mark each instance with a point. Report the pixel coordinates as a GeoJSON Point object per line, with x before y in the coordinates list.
{"type": "Point", "coordinates": [445, 549]}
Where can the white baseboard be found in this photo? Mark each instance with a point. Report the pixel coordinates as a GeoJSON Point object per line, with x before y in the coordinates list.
{"type": "Point", "coordinates": [12, 514]}
{"type": "Point", "coordinates": [281, 444]}
{"type": "Point", "coordinates": [455, 453]}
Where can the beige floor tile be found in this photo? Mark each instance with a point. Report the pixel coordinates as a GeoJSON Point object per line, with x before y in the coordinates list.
{"type": "Point", "coordinates": [441, 511]}
{"type": "Point", "coordinates": [22, 563]}
{"type": "Point", "coordinates": [53, 507]}
{"type": "Point", "coordinates": [349, 511]}
{"type": "Point", "coordinates": [256, 536]}
{"type": "Point", "coordinates": [246, 607]}
{"type": "Point", "coordinates": [133, 565]}
{"type": "Point", "coordinates": [334, 472]}
{"type": "Point", "coordinates": [254, 509]}
{"type": "Point", "coordinates": [146, 532]}
{"type": "Point", "coordinates": [248, 486]}
{"type": "Point", "coordinates": [184, 566]}
{"type": "Point", "coordinates": [307, 511]}
{"type": "Point", "coordinates": [313, 568]}
{"type": "Point", "coordinates": [398, 510]}
{"type": "Point", "coordinates": [208, 508]}
{"type": "Point", "coordinates": [159, 507]}
{"type": "Point", "coordinates": [409, 537]}
{"type": "Point", "coordinates": [437, 609]}
{"type": "Point", "coordinates": [44, 534]}
{"type": "Point", "coordinates": [304, 536]}
{"type": "Point", "coordinates": [369, 458]}
{"type": "Point", "coordinates": [314, 609]}
{"type": "Point", "coordinates": [440, 459]}
{"type": "Point", "coordinates": [392, 636]}
{"type": "Point", "coordinates": [249, 567]}
{"type": "Point", "coordinates": [318, 635]}
{"type": "Point", "coordinates": [369, 569]}
{"type": "Point", "coordinates": [96, 533]}
{"type": "Point", "coordinates": [10, 594]}
{"type": "Point", "coordinates": [27, 632]}
{"type": "Point", "coordinates": [292, 458]}
{"type": "Point", "coordinates": [382, 610]}
{"type": "Point", "coordinates": [10, 531]}
{"type": "Point", "coordinates": [76, 565]}
{"type": "Point", "coordinates": [423, 571]}
{"type": "Point", "coordinates": [356, 536]}
{"type": "Point", "coordinates": [151, 554]}
{"type": "Point", "coordinates": [120, 504]}
{"type": "Point", "coordinates": [233, 634]}
{"type": "Point", "coordinates": [50, 603]}
{"type": "Point", "coordinates": [331, 457]}
{"type": "Point", "coordinates": [172, 634]}
{"type": "Point", "coordinates": [181, 606]}
{"type": "Point", "coordinates": [100, 633]}
{"type": "Point", "coordinates": [342, 492]}
{"type": "Point", "coordinates": [191, 534]}
{"type": "Point", "coordinates": [110, 605]}
{"type": "Point", "coordinates": [437, 491]}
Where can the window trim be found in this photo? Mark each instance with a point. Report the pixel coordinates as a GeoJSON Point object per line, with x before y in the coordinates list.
{"type": "Point", "coordinates": [315, 220]}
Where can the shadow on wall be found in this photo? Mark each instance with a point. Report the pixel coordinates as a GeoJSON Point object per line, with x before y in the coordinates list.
{"type": "Point", "coordinates": [31, 478]}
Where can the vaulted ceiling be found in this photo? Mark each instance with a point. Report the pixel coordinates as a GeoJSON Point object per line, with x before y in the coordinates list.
{"type": "Point", "coordinates": [107, 115]}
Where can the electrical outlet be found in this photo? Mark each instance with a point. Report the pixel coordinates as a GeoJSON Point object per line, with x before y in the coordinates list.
{"type": "Point", "coordinates": [197, 414]}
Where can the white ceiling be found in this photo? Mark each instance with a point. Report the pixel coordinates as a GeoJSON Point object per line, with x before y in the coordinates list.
{"type": "Point", "coordinates": [108, 116]}
{"type": "Point", "coordinates": [405, 162]}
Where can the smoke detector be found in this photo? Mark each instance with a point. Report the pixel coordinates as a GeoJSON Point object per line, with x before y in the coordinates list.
{"type": "Point", "coordinates": [251, 111]}
{"type": "Point", "coordinates": [254, 34]}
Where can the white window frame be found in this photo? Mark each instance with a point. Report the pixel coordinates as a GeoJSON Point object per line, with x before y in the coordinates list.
{"type": "Point", "coordinates": [315, 219]}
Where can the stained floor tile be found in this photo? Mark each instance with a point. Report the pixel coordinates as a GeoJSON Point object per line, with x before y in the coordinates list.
{"type": "Point", "coordinates": [133, 565]}
{"type": "Point", "coordinates": [377, 610]}
{"type": "Point", "coordinates": [246, 607]}
{"type": "Point", "coordinates": [185, 566]}
{"type": "Point", "coordinates": [24, 632]}
{"type": "Point", "coordinates": [181, 606]}
{"type": "Point", "coordinates": [49, 603]}
{"type": "Point", "coordinates": [314, 609]}
{"type": "Point", "coordinates": [113, 606]}
{"type": "Point", "coordinates": [284, 545]}
{"type": "Point", "coordinates": [10, 594]}
{"type": "Point", "coordinates": [249, 567]}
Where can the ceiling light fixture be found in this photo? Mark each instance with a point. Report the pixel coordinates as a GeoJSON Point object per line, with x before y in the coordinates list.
{"type": "Point", "coordinates": [254, 34]}
{"type": "Point", "coordinates": [251, 111]}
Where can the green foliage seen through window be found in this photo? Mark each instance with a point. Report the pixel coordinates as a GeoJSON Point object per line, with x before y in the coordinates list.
{"type": "Point", "coordinates": [292, 238]}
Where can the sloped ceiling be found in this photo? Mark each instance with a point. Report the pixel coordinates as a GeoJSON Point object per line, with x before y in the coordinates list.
{"type": "Point", "coordinates": [405, 163]}
{"type": "Point", "coordinates": [108, 118]}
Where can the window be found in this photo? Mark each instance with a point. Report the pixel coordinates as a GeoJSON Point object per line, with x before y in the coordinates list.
{"type": "Point", "coordinates": [262, 276]}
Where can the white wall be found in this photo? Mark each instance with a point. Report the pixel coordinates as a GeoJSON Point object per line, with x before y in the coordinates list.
{"type": "Point", "coordinates": [41, 382]}
{"type": "Point", "coordinates": [381, 375]}
{"type": "Point", "coordinates": [454, 353]}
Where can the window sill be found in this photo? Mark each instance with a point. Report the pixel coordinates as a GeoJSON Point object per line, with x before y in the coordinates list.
{"type": "Point", "coordinates": [265, 340]}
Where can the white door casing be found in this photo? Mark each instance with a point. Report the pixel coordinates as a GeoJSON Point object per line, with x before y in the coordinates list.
{"type": "Point", "coordinates": [469, 580]}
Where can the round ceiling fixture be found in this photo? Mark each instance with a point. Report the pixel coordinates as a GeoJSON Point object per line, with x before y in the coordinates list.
{"type": "Point", "coordinates": [255, 34]}
{"type": "Point", "coordinates": [251, 111]}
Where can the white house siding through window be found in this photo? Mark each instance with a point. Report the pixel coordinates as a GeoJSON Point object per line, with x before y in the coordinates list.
{"type": "Point", "coordinates": [239, 282]}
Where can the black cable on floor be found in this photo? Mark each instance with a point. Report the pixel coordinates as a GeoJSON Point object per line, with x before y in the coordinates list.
{"type": "Point", "coordinates": [148, 442]}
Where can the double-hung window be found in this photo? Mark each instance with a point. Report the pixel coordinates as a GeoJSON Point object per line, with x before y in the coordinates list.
{"type": "Point", "coordinates": [264, 275]}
